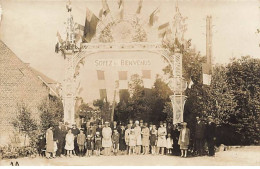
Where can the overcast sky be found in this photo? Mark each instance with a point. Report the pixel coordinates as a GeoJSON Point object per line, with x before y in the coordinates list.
{"type": "Point", "coordinates": [29, 27]}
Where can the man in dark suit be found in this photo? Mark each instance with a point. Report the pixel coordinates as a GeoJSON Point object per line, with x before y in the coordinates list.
{"type": "Point", "coordinates": [211, 135]}
{"type": "Point", "coordinates": [199, 136]}
{"type": "Point", "coordinates": [60, 137]}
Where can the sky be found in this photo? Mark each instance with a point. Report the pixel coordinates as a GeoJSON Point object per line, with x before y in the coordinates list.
{"type": "Point", "coordinates": [29, 27]}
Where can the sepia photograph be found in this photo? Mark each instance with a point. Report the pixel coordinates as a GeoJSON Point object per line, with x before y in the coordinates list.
{"type": "Point", "coordinates": [129, 83]}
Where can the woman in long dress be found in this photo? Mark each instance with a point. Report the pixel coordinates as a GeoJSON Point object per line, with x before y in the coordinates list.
{"type": "Point", "coordinates": [69, 143]}
{"type": "Point", "coordinates": [161, 143]}
{"type": "Point", "coordinates": [106, 140]}
{"type": "Point", "coordinates": [138, 136]}
{"type": "Point", "coordinates": [184, 140]}
{"type": "Point", "coordinates": [145, 139]}
{"type": "Point", "coordinates": [49, 142]}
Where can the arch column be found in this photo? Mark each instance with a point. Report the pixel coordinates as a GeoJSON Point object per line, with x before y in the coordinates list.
{"type": "Point", "coordinates": [177, 86]}
{"type": "Point", "coordinates": [69, 90]}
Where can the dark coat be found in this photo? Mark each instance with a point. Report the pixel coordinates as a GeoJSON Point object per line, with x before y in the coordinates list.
{"type": "Point", "coordinates": [59, 133]}
{"type": "Point", "coordinates": [199, 130]}
{"type": "Point", "coordinates": [210, 131]}
{"type": "Point", "coordinates": [186, 137]}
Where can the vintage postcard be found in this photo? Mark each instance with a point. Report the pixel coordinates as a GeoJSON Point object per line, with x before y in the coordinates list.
{"type": "Point", "coordinates": [129, 83]}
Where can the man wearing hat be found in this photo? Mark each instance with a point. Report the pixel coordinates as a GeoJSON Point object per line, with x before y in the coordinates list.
{"type": "Point", "coordinates": [199, 136]}
{"type": "Point", "coordinates": [59, 135]}
{"type": "Point", "coordinates": [211, 135]}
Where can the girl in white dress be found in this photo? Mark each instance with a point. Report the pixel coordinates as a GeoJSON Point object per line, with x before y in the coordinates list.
{"type": "Point", "coordinates": [169, 144]}
{"type": "Point", "coordinates": [69, 143]}
{"type": "Point", "coordinates": [161, 143]}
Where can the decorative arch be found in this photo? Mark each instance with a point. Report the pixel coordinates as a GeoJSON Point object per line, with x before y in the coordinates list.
{"type": "Point", "coordinates": [121, 36]}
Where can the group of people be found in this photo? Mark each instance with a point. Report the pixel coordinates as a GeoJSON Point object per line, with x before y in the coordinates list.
{"type": "Point", "coordinates": [134, 138]}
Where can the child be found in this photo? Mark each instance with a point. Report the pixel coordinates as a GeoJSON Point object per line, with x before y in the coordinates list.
{"type": "Point", "coordinates": [98, 144]}
{"type": "Point", "coordinates": [153, 139]}
{"type": "Point", "coordinates": [89, 145]}
{"type": "Point", "coordinates": [169, 144]}
{"type": "Point", "coordinates": [42, 146]}
{"type": "Point", "coordinates": [81, 142]}
{"type": "Point", "coordinates": [115, 141]}
{"type": "Point", "coordinates": [132, 141]}
{"type": "Point", "coordinates": [55, 148]}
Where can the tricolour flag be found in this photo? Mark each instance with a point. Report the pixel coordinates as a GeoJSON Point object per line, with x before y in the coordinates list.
{"type": "Point", "coordinates": [122, 75]}
{"type": "Point", "coordinates": [163, 30]}
{"type": "Point", "coordinates": [105, 9]}
{"type": "Point", "coordinates": [140, 3]}
{"type": "Point", "coordinates": [206, 73]}
{"type": "Point", "coordinates": [90, 26]}
{"type": "Point", "coordinates": [103, 94]}
{"type": "Point", "coordinates": [146, 74]}
{"type": "Point", "coordinates": [124, 95]}
{"type": "Point", "coordinates": [79, 32]}
{"type": "Point", "coordinates": [154, 16]}
{"type": "Point", "coordinates": [121, 9]}
{"type": "Point", "coordinates": [123, 82]}
{"type": "Point", "coordinates": [101, 74]}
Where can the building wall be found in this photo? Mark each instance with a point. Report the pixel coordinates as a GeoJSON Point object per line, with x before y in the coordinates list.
{"type": "Point", "coordinates": [18, 84]}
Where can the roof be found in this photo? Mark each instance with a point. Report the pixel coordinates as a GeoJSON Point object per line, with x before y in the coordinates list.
{"type": "Point", "coordinates": [43, 76]}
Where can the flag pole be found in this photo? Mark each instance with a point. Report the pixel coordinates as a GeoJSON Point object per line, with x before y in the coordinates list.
{"type": "Point", "coordinates": [114, 101]}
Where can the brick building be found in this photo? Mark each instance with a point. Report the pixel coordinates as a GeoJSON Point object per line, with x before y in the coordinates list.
{"type": "Point", "coordinates": [19, 84]}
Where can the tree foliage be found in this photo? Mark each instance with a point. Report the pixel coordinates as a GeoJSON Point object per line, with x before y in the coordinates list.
{"type": "Point", "coordinates": [147, 104]}
{"type": "Point", "coordinates": [25, 123]}
{"type": "Point", "coordinates": [51, 112]}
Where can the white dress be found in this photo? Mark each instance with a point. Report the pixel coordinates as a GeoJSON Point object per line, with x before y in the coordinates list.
{"type": "Point", "coordinates": [69, 142]}
{"type": "Point", "coordinates": [161, 137]}
{"type": "Point", "coordinates": [138, 135]}
{"type": "Point", "coordinates": [106, 140]}
{"type": "Point", "coordinates": [169, 143]}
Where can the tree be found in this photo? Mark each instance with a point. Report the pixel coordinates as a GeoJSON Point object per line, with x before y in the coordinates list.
{"type": "Point", "coordinates": [51, 112]}
{"type": "Point", "coordinates": [104, 108]}
{"type": "Point", "coordinates": [244, 80]}
{"type": "Point", "coordinates": [26, 124]}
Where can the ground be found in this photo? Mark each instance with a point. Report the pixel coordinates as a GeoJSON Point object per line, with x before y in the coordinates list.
{"type": "Point", "coordinates": [236, 156]}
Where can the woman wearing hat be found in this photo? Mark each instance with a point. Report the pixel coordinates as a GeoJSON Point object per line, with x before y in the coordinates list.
{"type": "Point", "coordinates": [106, 141]}
{"type": "Point", "coordinates": [138, 136]}
{"type": "Point", "coordinates": [49, 142]}
{"type": "Point", "coordinates": [184, 140]}
{"type": "Point", "coordinates": [161, 143]}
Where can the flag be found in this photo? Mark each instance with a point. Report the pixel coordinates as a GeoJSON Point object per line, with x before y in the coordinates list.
{"type": "Point", "coordinates": [140, 3]}
{"type": "Point", "coordinates": [146, 74]}
{"type": "Point", "coordinates": [190, 83]}
{"type": "Point", "coordinates": [90, 26]}
{"type": "Point", "coordinates": [163, 30]}
{"type": "Point", "coordinates": [59, 39]}
{"type": "Point", "coordinates": [121, 9]}
{"type": "Point", "coordinates": [101, 74]}
{"type": "Point", "coordinates": [123, 83]}
{"type": "Point", "coordinates": [57, 47]}
{"type": "Point", "coordinates": [124, 95]}
{"type": "Point", "coordinates": [153, 17]}
{"type": "Point", "coordinates": [122, 75]}
{"type": "Point", "coordinates": [105, 9]}
{"type": "Point", "coordinates": [103, 94]}
{"type": "Point", "coordinates": [206, 73]}
{"type": "Point", "coordinates": [79, 32]}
